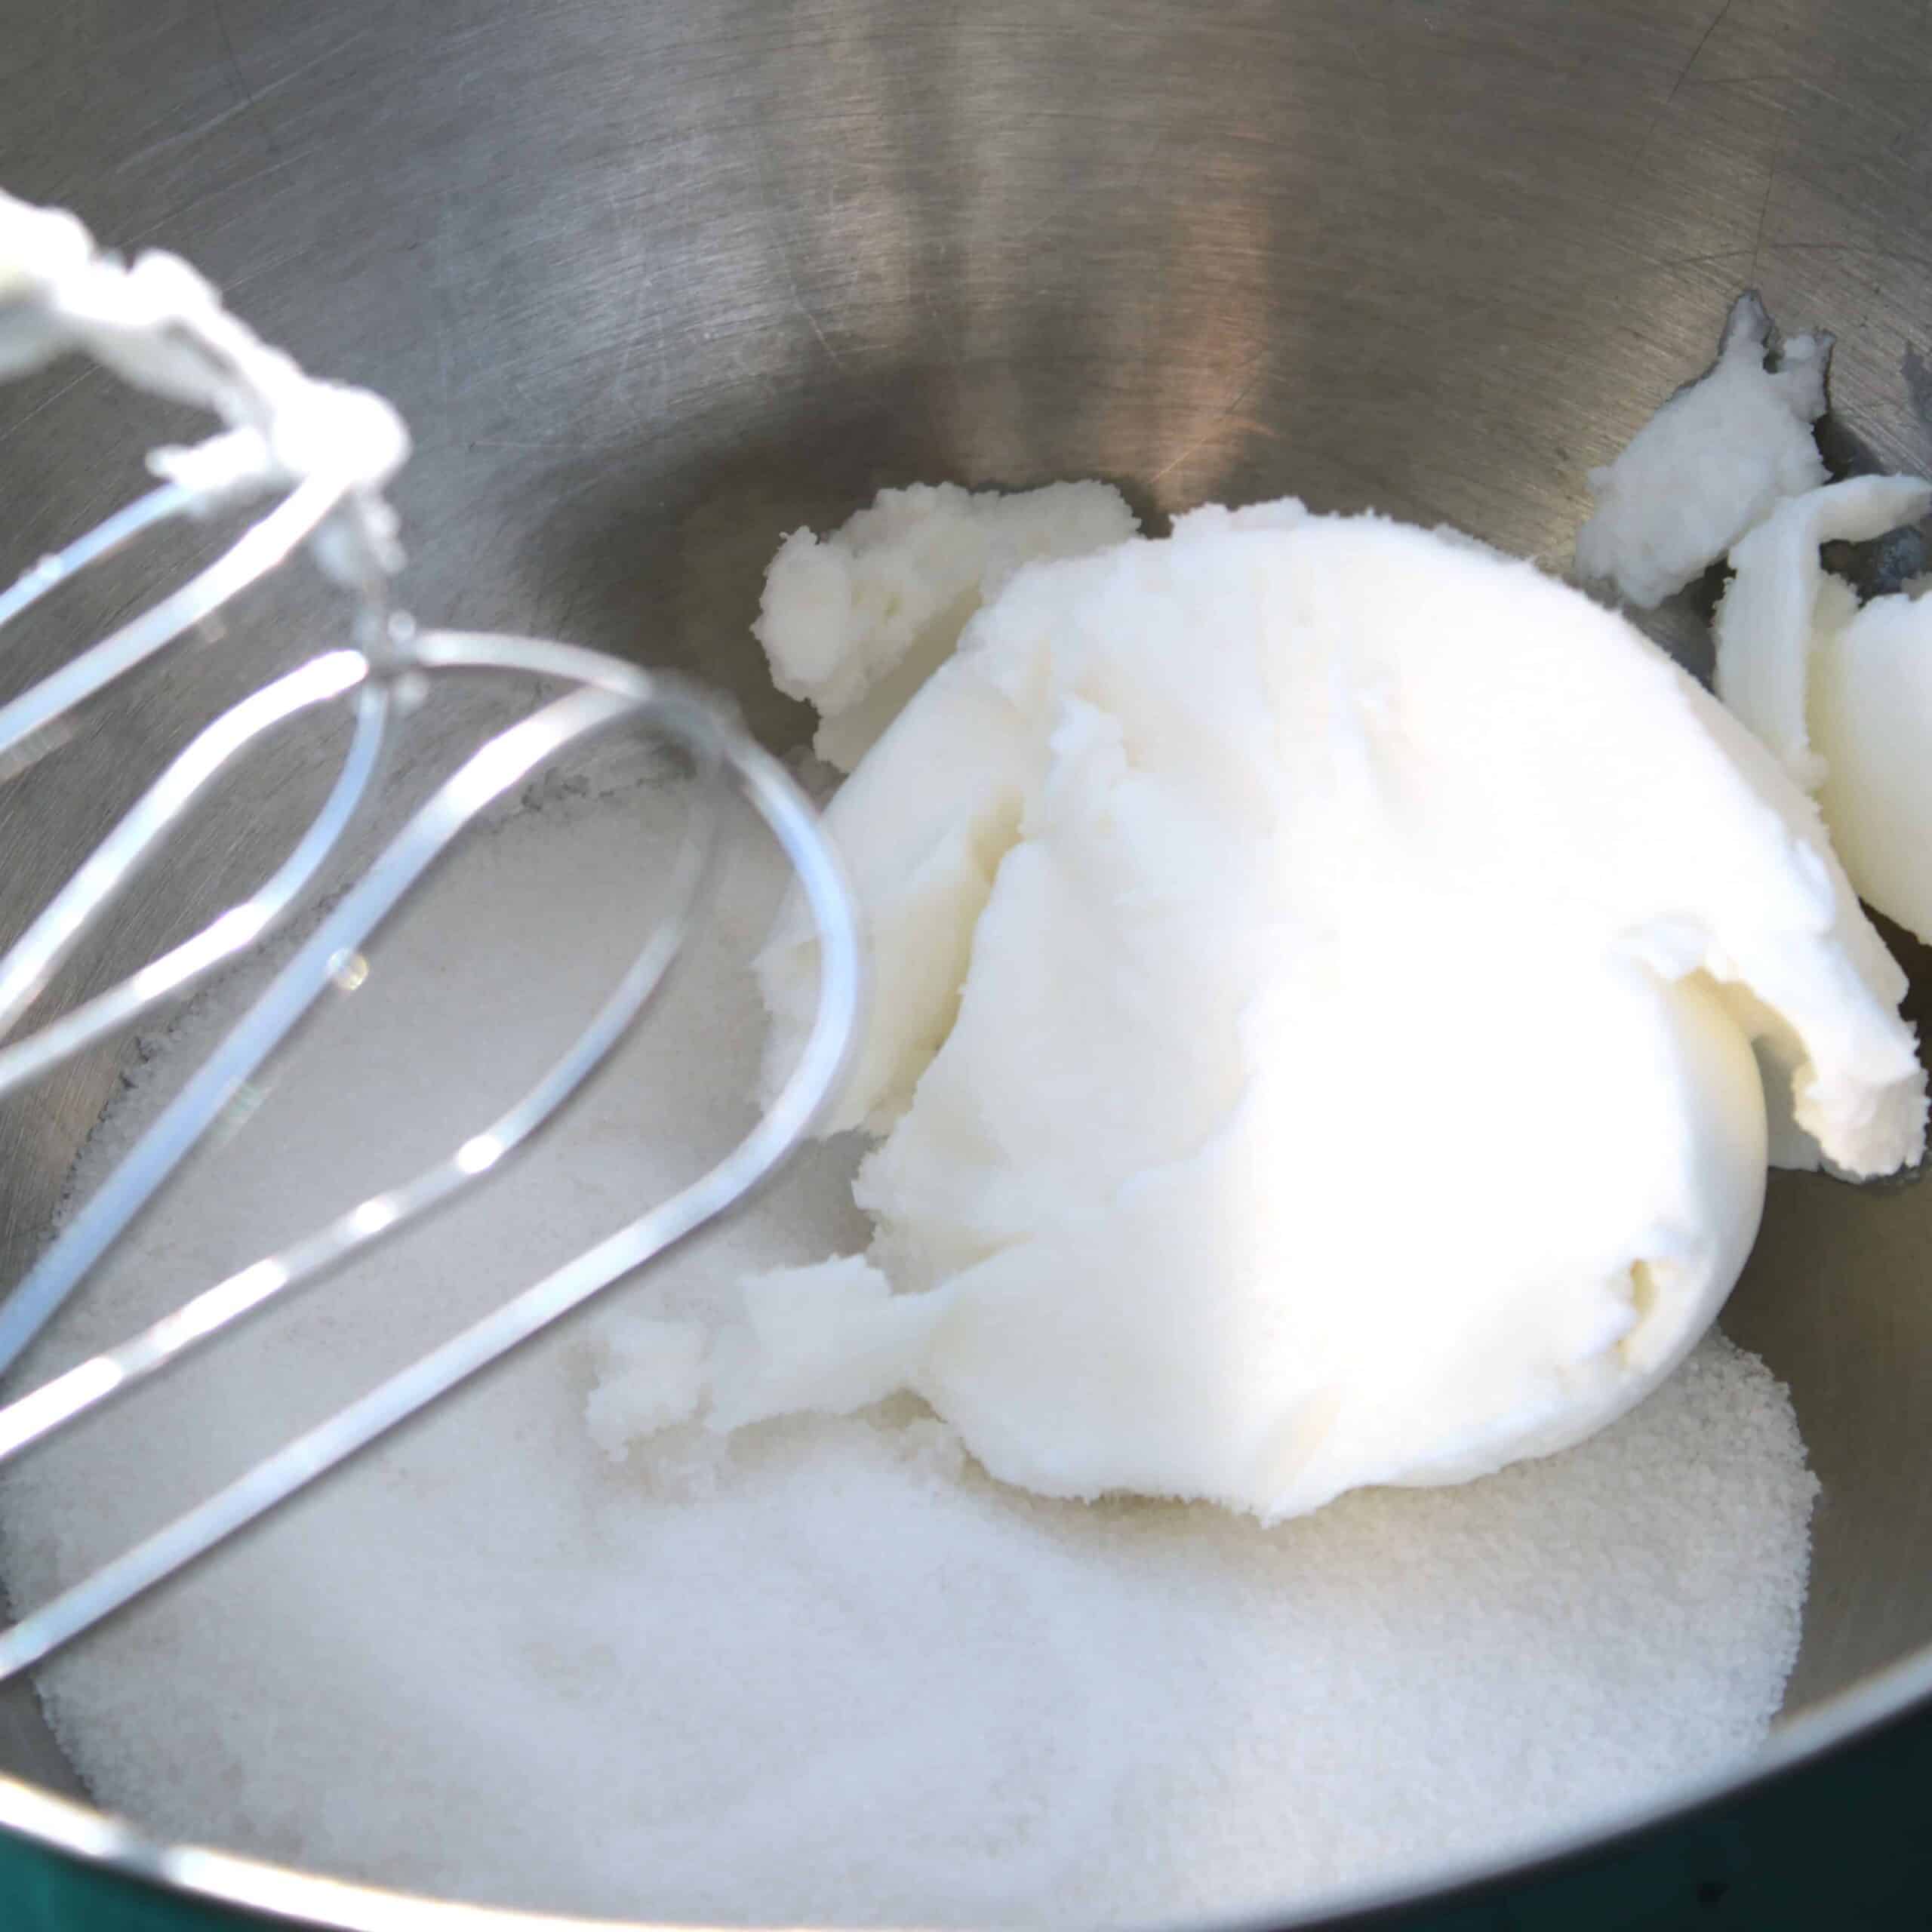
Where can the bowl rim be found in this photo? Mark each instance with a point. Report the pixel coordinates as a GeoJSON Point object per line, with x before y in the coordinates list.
{"type": "Point", "coordinates": [229, 1880]}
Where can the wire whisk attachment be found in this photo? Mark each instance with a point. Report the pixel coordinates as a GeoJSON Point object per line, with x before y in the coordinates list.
{"type": "Point", "coordinates": [318, 457]}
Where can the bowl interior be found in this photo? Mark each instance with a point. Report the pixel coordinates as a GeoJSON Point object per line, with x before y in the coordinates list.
{"type": "Point", "coordinates": [655, 284]}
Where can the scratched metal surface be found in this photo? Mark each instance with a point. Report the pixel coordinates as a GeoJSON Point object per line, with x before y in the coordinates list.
{"type": "Point", "coordinates": [655, 282]}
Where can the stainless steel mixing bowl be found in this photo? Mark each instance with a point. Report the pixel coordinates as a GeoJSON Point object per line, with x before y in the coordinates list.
{"type": "Point", "coordinates": [658, 280]}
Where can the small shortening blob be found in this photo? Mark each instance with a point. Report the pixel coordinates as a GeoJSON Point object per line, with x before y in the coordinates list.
{"type": "Point", "coordinates": [1871, 713]}
{"type": "Point", "coordinates": [1316, 971]}
{"type": "Point", "coordinates": [856, 622]}
{"type": "Point", "coordinates": [1841, 696]}
{"type": "Point", "coordinates": [1714, 461]}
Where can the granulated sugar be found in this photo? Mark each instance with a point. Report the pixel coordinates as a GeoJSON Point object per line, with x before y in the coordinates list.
{"type": "Point", "coordinates": [827, 1671]}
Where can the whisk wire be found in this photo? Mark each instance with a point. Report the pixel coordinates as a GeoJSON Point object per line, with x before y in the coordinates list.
{"type": "Point", "coordinates": [38, 953]}
{"type": "Point", "coordinates": [30, 1418]}
{"type": "Point", "coordinates": [260, 549]}
{"type": "Point", "coordinates": [276, 1479]}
